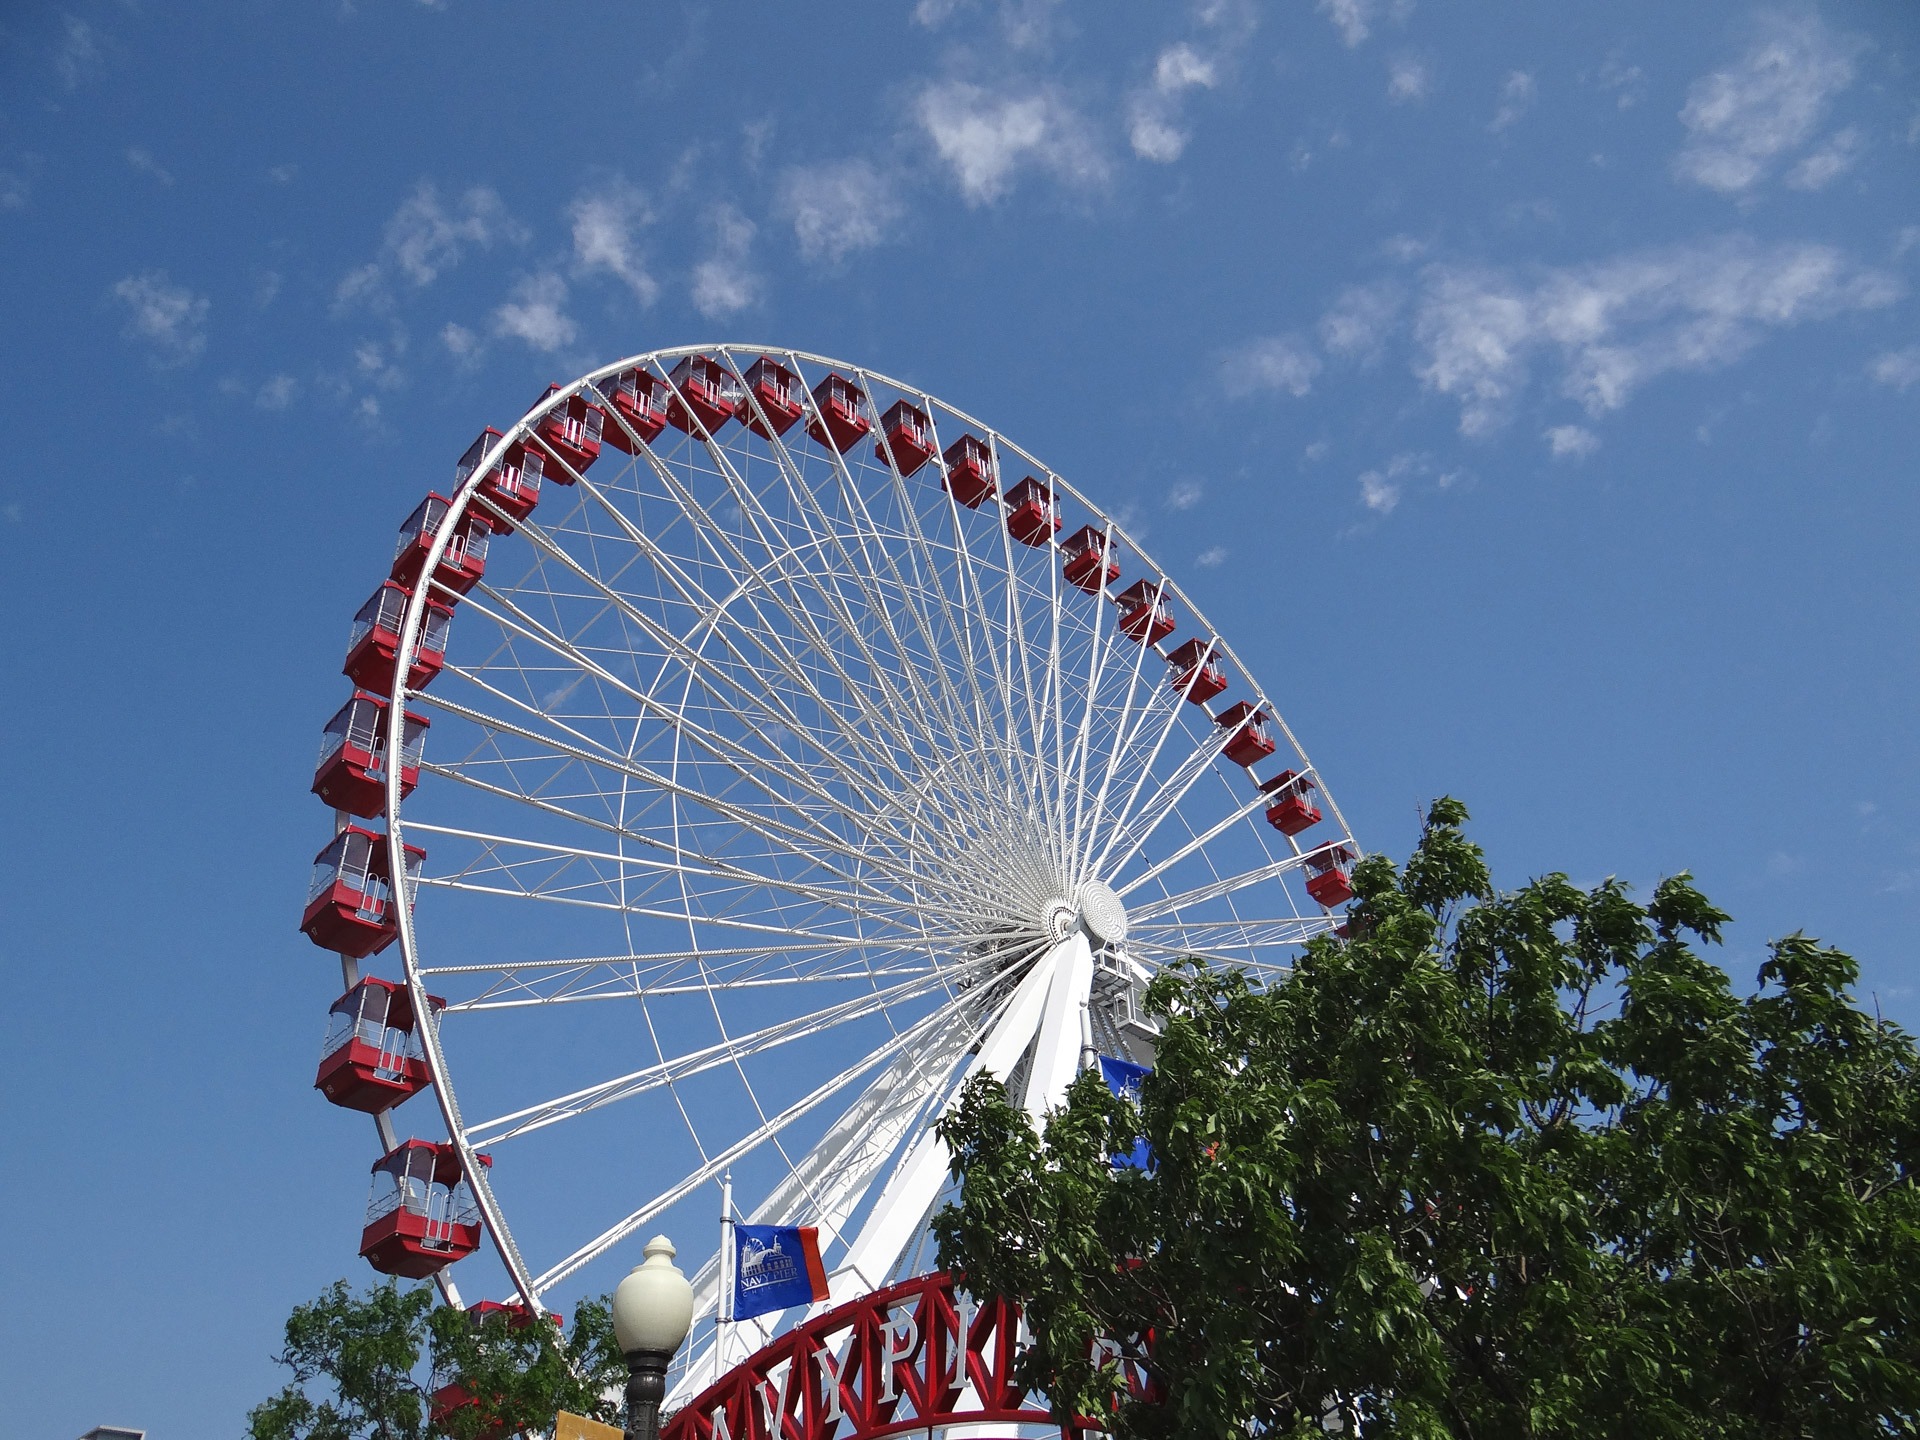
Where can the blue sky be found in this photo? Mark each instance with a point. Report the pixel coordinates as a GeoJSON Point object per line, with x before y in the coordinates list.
{"type": "Point", "coordinates": [1530, 395]}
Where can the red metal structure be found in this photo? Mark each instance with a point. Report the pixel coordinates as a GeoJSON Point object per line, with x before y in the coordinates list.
{"type": "Point", "coordinates": [773, 398]}
{"type": "Point", "coordinates": [1196, 671]}
{"type": "Point", "coordinates": [915, 1357]}
{"type": "Point", "coordinates": [464, 560]}
{"type": "Point", "coordinates": [350, 898]}
{"type": "Point", "coordinates": [1145, 614]}
{"type": "Point", "coordinates": [1328, 879]}
{"type": "Point", "coordinates": [639, 398]}
{"type": "Point", "coordinates": [374, 641]}
{"type": "Point", "coordinates": [907, 434]}
{"type": "Point", "coordinates": [352, 773]}
{"type": "Point", "coordinates": [572, 431]}
{"type": "Point", "coordinates": [371, 1058]}
{"type": "Point", "coordinates": [512, 487]}
{"type": "Point", "coordinates": [970, 477]}
{"type": "Point", "coordinates": [1292, 809]}
{"type": "Point", "coordinates": [1089, 562]}
{"type": "Point", "coordinates": [1033, 516]}
{"type": "Point", "coordinates": [1249, 738]}
{"type": "Point", "coordinates": [705, 391]}
{"type": "Point", "coordinates": [840, 424]}
{"type": "Point", "coordinates": [421, 1216]}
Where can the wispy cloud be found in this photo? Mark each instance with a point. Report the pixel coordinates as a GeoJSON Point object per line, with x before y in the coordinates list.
{"type": "Point", "coordinates": [1614, 325]}
{"type": "Point", "coordinates": [1832, 160]}
{"type": "Point", "coordinates": [1742, 120]}
{"type": "Point", "coordinates": [606, 223]}
{"type": "Point", "coordinates": [169, 318]}
{"type": "Point", "coordinates": [1153, 127]}
{"type": "Point", "coordinates": [1274, 364]}
{"type": "Point", "coordinates": [1212, 556]}
{"type": "Point", "coordinates": [535, 311]}
{"type": "Point", "coordinates": [838, 208]}
{"type": "Point", "coordinates": [426, 237]}
{"type": "Point", "coordinates": [1357, 324]}
{"type": "Point", "coordinates": [143, 161]}
{"type": "Point", "coordinates": [77, 59]}
{"type": "Point", "coordinates": [1409, 80]}
{"type": "Point", "coordinates": [276, 392]}
{"type": "Point", "coordinates": [1352, 18]}
{"type": "Point", "coordinates": [1185, 494]}
{"type": "Point", "coordinates": [1570, 442]}
{"type": "Point", "coordinates": [1897, 368]}
{"type": "Point", "coordinates": [988, 139]}
{"type": "Point", "coordinates": [725, 283]}
{"type": "Point", "coordinates": [1516, 98]}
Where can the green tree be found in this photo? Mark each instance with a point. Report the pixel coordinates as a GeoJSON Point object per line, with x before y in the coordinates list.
{"type": "Point", "coordinates": [388, 1364]}
{"type": "Point", "coordinates": [1497, 1165]}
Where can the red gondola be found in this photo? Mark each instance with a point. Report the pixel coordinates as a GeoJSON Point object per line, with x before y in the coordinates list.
{"type": "Point", "coordinates": [352, 773]}
{"type": "Point", "coordinates": [350, 906]}
{"type": "Point", "coordinates": [704, 387]}
{"type": "Point", "coordinates": [1196, 671]}
{"type": "Point", "coordinates": [464, 560]}
{"type": "Point", "coordinates": [772, 402]}
{"type": "Point", "coordinates": [1291, 811]}
{"type": "Point", "coordinates": [1328, 880]}
{"type": "Point", "coordinates": [371, 1059]}
{"type": "Point", "coordinates": [840, 423]}
{"type": "Point", "coordinates": [1250, 740]}
{"type": "Point", "coordinates": [1089, 563]}
{"type": "Point", "coordinates": [572, 431]}
{"type": "Point", "coordinates": [374, 641]}
{"type": "Point", "coordinates": [421, 1217]}
{"type": "Point", "coordinates": [512, 486]}
{"type": "Point", "coordinates": [908, 435]}
{"type": "Point", "coordinates": [1033, 518]}
{"type": "Point", "coordinates": [639, 398]}
{"type": "Point", "coordinates": [1145, 614]}
{"type": "Point", "coordinates": [970, 477]}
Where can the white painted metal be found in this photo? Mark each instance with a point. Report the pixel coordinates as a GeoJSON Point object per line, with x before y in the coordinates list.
{"type": "Point", "coordinates": [829, 786]}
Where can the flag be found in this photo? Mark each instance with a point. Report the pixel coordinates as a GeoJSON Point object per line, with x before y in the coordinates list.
{"type": "Point", "coordinates": [1123, 1077]}
{"type": "Point", "coordinates": [775, 1267]}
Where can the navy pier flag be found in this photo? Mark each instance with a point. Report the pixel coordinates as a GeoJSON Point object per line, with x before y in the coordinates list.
{"type": "Point", "coordinates": [776, 1267]}
{"type": "Point", "coordinates": [1123, 1077]}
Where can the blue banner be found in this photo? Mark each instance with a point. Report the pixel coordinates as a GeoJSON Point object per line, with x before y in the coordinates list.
{"type": "Point", "coordinates": [775, 1267]}
{"type": "Point", "coordinates": [1123, 1077]}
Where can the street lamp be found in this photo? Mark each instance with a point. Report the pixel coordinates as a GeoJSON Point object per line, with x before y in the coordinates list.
{"type": "Point", "coordinates": [652, 1312]}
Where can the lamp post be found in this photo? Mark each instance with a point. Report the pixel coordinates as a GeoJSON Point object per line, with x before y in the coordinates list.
{"type": "Point", "coordinates": [652, 1312]}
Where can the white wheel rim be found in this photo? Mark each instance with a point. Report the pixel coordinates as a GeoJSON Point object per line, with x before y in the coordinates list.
{"type": "Point", "coordinates": [801, 712]}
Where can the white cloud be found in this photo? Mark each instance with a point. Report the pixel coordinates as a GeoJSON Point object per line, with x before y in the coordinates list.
{"type": "Point", "coordinates": [283, 174]}
{"type": "Point", "coordinates": [1629, 80]}
{"type": "Point", "coordinates": [1516, 98]}
{"type": "Point", "coordinates": [1378, 493]}
{"type": "Point", "coordinates": [1744, 118]}
{"type": "Point", "coordinates": [426, 237]}
{"type": "Point", "coordinates": [276, 393]}
{"type": "Point", "coordinates": [1570, 442]}
{"type": "Point", "coordinates": [724, 283]}
{"type": "Point", "coordinates": [535, 313]}
{"type": "Point", "coordinates": [1614, 325]}
{"type": "Point", "coordinates": [14, 190]}
{"type": "Point", "coordinates": [461, 343]}
{"type": "Point", "coordinates": [604, 222]}
{"type": "Point", "coordinates": [1211, 557]}
{"type": "Point", "coordinates": [143, 161]}
{"type": "Point", "coordinates": [1360, 319]}
{"type": "Point", "coordinates": [1381, 488]}
{"type": "Point", "coordinates": [1315, 452]}
{"type": "Point", "coordinates": [1352, 18]}
{"type": "Point", "coordinates": [1154, 113]}
{"type": "Point", "coordinates": [987, 139]}
{"type": "Point", "coordinates": [838, 208]}
{"type": "Point", "coordinates": [1898, 368]}
{"type": "Point", "coordinates": [170, 318]}
{"type": "Point", "coordinates": [78, 58]}
{"type": "Point", "coordinates": [1829, 162]}
{"type": "Point", "coordinates": [1276, 363]}
{"type": "Point", "coordinates": [1408, 80]}
{"type": "Point", "coordinates": [1184, 495]}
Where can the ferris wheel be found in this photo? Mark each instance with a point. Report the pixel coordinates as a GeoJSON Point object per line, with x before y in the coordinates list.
{"type": "Point", "coordinates": [775, 747]}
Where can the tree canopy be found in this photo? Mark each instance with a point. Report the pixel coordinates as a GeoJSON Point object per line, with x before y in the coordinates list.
{"type": "Point", "coordinates": [1498, 1164]}
{"type": "Point", "coordinates": [388, 1364]}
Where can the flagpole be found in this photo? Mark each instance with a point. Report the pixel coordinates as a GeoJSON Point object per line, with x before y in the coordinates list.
{"type": "Point", "coordinates": [725, 1312]}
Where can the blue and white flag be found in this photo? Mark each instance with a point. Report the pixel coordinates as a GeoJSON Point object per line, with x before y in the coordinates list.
{"type": "Point", "coordinates": [1123, 1077]}
{"type": "Point", "coordinates": [776, 1267]}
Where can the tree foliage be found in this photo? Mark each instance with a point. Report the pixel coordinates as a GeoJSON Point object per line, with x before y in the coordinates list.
{"type": "Point", "coordinates": [388, 1364]}
{"type": "Point", "coordinates": [1498, 1165]}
